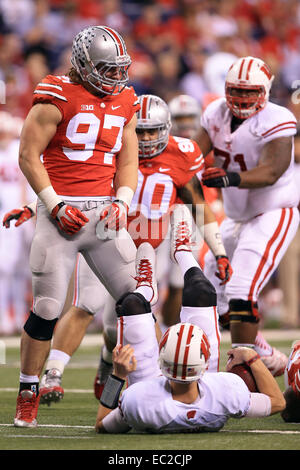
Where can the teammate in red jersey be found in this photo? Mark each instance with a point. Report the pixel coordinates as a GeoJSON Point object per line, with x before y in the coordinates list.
{"type": "Point", "coordinates": [166, 165]}
{"type": "Point", "coordinates": [84, 126]}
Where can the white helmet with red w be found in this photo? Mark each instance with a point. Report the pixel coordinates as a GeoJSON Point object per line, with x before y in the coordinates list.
{"type": "Point", "coordinates": [184, 353]}
{"type": "Point", "coordinates": [247, 86]}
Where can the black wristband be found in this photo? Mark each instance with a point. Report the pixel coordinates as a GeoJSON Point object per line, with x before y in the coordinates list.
{"type": "Point", "coordinates": [30, 210]}
{"type": "Point", "coordinates": [234, 179]}
{"type": "Point", "coordinates": [111, 392]}
{"type": "Point", "coordinates": [121, 202]}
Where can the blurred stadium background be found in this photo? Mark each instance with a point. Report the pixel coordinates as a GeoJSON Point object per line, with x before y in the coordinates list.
{"type": "Point", "coordinates": [176, 47]}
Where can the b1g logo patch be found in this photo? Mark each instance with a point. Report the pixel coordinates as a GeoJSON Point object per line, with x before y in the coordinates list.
{"type": "Point", "coordinates": [87, 107]}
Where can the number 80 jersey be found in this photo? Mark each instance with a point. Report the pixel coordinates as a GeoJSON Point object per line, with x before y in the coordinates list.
{"type": "Point", "coordinates": [80, 158]}
{"type": "Point", "coordinates": [159, 178]}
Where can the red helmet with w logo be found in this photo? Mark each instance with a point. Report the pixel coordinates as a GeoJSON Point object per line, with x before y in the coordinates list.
{"type": "Point", "coordinates": [247, 86]}
{"type": "Point", "coordinates": [184, 352]}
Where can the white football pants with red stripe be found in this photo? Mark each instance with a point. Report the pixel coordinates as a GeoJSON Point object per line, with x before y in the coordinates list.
{"type": "Point", "coordinates": [254, 249]}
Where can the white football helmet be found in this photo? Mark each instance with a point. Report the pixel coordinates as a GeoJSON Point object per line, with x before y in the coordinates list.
{"type": "Point", "coordinates": [249, 74]}
{"type": "Point", "coordinates": [215, 70]}
{"type": "Point", "coordinates": [184, 353]}
{"type": "Point", "coordinates": [185, 115]}
{"type": "Point", "coordinates": [96, 51]}
{"type": "Point", "coordinates": [153, 114]}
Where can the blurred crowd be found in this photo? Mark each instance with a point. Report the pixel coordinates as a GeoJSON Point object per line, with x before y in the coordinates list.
{"type": "Point", "coordinates": [176, 46]}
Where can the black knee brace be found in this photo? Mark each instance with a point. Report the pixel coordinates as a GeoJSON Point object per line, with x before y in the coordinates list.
{"type": "Point", "coordinates": [243, 311]}
{"type": "Point", "coordinates": [132, 303]}
{"type": "Point", "coordinates": [197, 290]}
{"type": "Point", "coordinates": [39, 328]}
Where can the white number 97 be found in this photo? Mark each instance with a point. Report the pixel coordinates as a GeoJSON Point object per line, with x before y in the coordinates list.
{"type": "Point", "coordinates": [83, 129]}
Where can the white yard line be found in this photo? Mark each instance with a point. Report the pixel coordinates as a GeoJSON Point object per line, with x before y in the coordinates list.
{"type": "Point", "coordinates": [66, 426]}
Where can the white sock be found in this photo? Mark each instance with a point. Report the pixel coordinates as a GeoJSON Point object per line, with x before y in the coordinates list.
{"type": "Point", "coordinates": [186, 261]}
{"type": "Point", "coordinates": [207, 319]}
{"type": "Point", "coordinates": [139, 332]}
{"type": "Point", "coordinates": [57, 360]}
{"type": "Point", "coordinates": [146, 292]}
{"type": "Point", "coordinates": [243, 345]}
{"type": "Point", "coordinates": [262, 347]}
{"type": "Point", "coordinates": [28, 378]}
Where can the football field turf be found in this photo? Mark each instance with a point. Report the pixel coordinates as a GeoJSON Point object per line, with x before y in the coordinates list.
{"type": "Point", "coordinates": [69, 425]}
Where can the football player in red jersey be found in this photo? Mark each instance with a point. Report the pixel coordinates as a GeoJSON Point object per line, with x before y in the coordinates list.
{"type": "Point", "coordinates": [166, 165]}
{"type": "Point", "coordinates": [84, 126]}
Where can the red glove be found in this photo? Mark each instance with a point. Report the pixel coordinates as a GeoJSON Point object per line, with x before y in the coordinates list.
{"type": "Point", "coordinates": [20, 215]}
{"type": "Point", "coordinates": [115, 215]}
{"type": "Point", "coordinates": [69, 219]}
{"type": "Point", "coordinates": [224, 269]}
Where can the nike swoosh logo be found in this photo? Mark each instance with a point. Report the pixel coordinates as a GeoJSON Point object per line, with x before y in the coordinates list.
{"type": "Point", "coordinates": [115, 107]}
{"type": "Point", "coordinates": [164, 169]}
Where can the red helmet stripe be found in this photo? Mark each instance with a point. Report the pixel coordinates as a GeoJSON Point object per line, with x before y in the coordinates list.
{"type": "Point", "coordinates": [164, 340]}
{"type": "Point", "coordinates": [266, 71]}
{"type": "Point", "coordinates": [177, 351]}
{"type": "Point", "coordinates": [205, 346]}
{"type": "Point", "coordinates": [144, 107]}
{"type": "Point", "coordinates": [248, 69]}
{"type": "Point", "coordinates": [241, 69]}
{"type": "Point", "coordinates": [186, 352]}
{"type": "Point", "coordinates": [117, 38]}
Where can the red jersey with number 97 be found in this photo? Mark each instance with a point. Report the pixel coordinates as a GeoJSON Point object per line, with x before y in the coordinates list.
{"type": "Point", "coordinates": [158, 180]}
{"type": "Point", "coordinates": [81, 157]}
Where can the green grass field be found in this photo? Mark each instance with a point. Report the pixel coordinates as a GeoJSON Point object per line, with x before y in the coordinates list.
{"type": "Point", "coordinates": [69, 425]}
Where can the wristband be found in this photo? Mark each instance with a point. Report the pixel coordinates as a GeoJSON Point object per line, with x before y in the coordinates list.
{"type": "Point", "coordinates": [49, 198]}
{"type": "Point", "coordinates": [122, 202]}
{"type": "Point", "coordinates": [232, 179]}
{"type": "Point", "coordinates": [213, 238]}
{"type": "Point", "coordinates": [111, 392]}
{"type": "Point", "coordinates": [253, 359]}
{"type": "Point", "coordinates": [125, 194]}
{"type": "Point", "coordinates": [32, 207]}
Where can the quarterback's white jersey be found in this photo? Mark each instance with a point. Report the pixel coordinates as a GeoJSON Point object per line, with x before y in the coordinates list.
{"type": "Point", "coordinates": [241, 151]}
{"type": "Point", "coordinates": [149, 406]}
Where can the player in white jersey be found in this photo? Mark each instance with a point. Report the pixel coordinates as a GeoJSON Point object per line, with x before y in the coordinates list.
{"type": "Point", "coordinates": [252, 139]}
{"type": "Point", "coordinates": [181, 390]}
{"type": "Point", "coordinates": [14, 246]}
